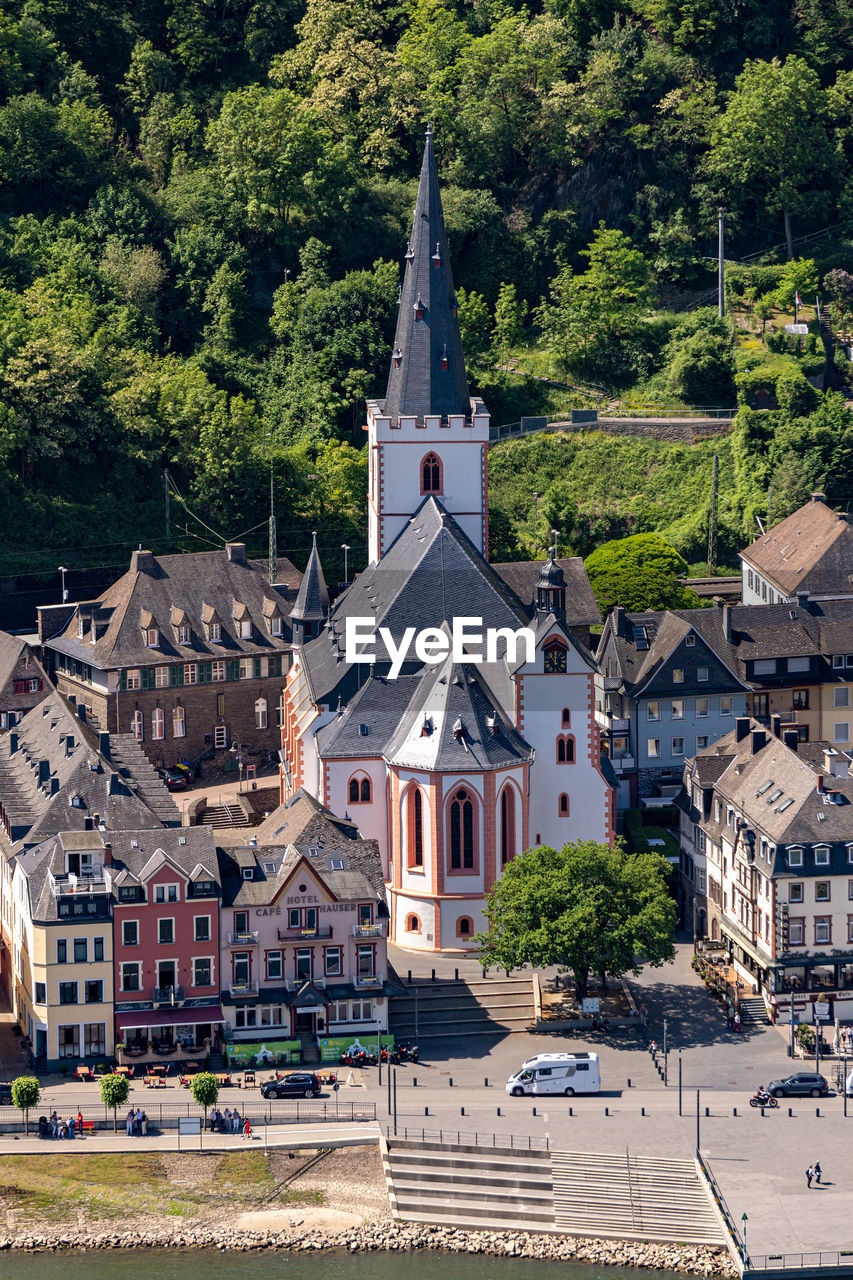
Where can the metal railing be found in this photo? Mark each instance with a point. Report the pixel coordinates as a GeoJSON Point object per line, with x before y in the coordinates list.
{"type": "Point", "coordinates": [735, 1242]}
{"type": "Point", "coordinates": [247, 939]}
{"type": "Point", "coordinates": [841, 1258]}
{"type": "Point", "coordinates": [509, 429]}
{"type": "Point", "coordinates": [243, 988]}
{"type": "Point", "coordinates": [165, 1115]}
{"type": "Point", "coordinates": [369, 930]}
{"type": "Point", "coordinates": [293, 935]}
{"type": "Point", "coordinates": [471, 1138]}
{"type": "Point", "coordinates": [168, 995]}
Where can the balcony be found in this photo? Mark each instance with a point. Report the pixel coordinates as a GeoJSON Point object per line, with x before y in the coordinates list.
{"type": "Point", "coordinates": [247, 939]}
{"type": "Point", "coordinates": [622, 764]}
{"type": "Point", "coordinates": [239, 990]}
{"type": "Point", "coordinates": [168, 995]}
{"type": "Point", "coordinates": [369, 930]}
{"type": "Point", "coordinates": [610, 723]}
{"type": "Point", "coordinates": [71, 884]}
{"type": "Point", "coordinates": [364, 981]}
{"type": "Point", "coordinates": [304, 935]}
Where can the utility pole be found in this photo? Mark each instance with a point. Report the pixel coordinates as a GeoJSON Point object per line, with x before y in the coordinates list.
{"type": "Point", "coordinates": [273, 538]}
{"type": "Point", "coordinates": [345, 547]}
{"type": "Point", "coordinates": [166, 496]}
{"type": "Point", "coordinates": [721, 269]}
{"type": "Point", "coordinates": [712, 517]}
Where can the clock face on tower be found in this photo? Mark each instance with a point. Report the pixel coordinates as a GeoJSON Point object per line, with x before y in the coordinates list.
{"type": "Point", "coordinates": [555, 660]}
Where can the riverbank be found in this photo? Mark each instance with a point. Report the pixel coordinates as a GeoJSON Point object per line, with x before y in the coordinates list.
{"type": "Point", "coordinates": [395, 1237]}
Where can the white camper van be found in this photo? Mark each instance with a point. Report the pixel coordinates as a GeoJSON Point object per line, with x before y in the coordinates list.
{"type": "Point", "coordinates": [566, 1073]}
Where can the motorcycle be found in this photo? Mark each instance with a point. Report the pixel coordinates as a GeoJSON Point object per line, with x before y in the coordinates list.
{"type": "Point", "coordinates": [763, 1100]}
{"type": "Point", "coordinates": [408, 1053]}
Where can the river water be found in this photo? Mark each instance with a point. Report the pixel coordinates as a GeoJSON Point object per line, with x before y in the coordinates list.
{"type": "Point", "coordinates": [169, 1264]}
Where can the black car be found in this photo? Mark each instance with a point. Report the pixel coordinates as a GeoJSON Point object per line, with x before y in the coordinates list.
{"type": "Point", "coordinates": [5, 1095]}
{"type": "Point", "coordinates": [303, 1084]}
{"type": "Point", "coordinates": [804, 1083]}
{"type": "Point", "coordinates": [175, 779]}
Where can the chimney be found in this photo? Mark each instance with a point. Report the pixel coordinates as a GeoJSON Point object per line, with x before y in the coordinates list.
{"type": "Point", "coordinates": [727, 621]}
{"type": "Point", "coordinates": [108, 855]}
{"type": "Point", "coordinates": [759, 739]}
{"type": "Point", "coordinates": [791, 739]}
{"type": "Point", "coordinates": [820, 785]}
{"type": "Point", "coordinates": [54, 786]}
{"type": "Point", "coordinates": [819, 497]}
{"type": "Point", "coordinates": [803, 600]}
{"type": "Point", "coordinates": [13, 743]}
{"type": "Point", "coordinates": [776, 724]}
{"type": "Point", "coordinates": [236, 552]}
{"type": "Point", "coordinates": [104, 744]}
{"type": "Point", "coordinates": [142, 562]}
{"type": "Point", "coordinates": [44, 771]}
{"type": "Point", "coordinates": [741, 728]}
{"type": "Point", "coordinates": [619, 619]}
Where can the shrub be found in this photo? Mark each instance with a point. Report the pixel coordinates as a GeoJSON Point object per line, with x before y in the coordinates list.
{"type": "Point", "coordinates": [26, 1091]}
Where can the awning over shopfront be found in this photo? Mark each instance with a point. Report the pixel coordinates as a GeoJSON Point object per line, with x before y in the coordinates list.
{"type": "Point", "coordinates": [169, 1017]}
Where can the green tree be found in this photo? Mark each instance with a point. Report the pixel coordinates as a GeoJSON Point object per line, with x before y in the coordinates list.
{"type": "Point", "coordinates": [763, 310]}
{"type": "Point", "coordinates": [115, 1091]}
{"type": "Point", "coordinates": [589, 908]}
{"type": "Point", "coordinates": [474, 325]}
{"type": "Point", "coordinates": [510, 311]}
{"type": "Point", "coordinates": [700, 359]}
{"type": "Point", "coordinates": [771, 142]}
{"type": "Point", "coordinates": [798, 277]}
{"type": "Point", "coordinates": [640, 572]}
{"type": "Point", "coordinates": [26, 1092]}
{"type": "Point", "coordinates": [204, 1088]}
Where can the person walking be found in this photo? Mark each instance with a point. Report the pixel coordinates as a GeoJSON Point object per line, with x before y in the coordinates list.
{"type": "Point", "coordinates": [809, 1176]}
{"type": "Point", "coordinates": [247, 1128]}
{"type": "Point", "coordinates": [817, 1172]}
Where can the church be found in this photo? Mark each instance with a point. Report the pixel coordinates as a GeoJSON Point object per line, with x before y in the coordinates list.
{"type": "Point", "coordinates": [453, 761]}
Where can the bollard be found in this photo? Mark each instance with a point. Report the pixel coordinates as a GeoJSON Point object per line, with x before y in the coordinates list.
{"type": "Point", "coordinates": [426, 1111]}
{"type": "Point", "coordinates": [499, 1110]}
{"type": "Point", "coordinates": [790, 1111]}
{"type": "Point", "coordinates": [707, 1111]}
{"type": "Point", "coordinates": [571, 1111]}
{"type": "Point", "coordinates": [817, 1111]}
{"type": "Point", "coordinates": [534, 1111]}
{"type": "Point", "coordinates": [461, 1111]}
{"type": "Point", "coordinates": [414, 1082]}
{"type": "Point", "coordinates": [486, 1082]}
{"type": "Point", "coordinates": [761, 1109]}
{"type": "Point", "coordinates": [607, 1111]}
{"type": "Point", "coordinates": [642, 1111]}
{"type": "Point", "coordinates": [410, 977]}
{"type": "Point", "coordinates": [629, 1082]}
{"type": "Point", "coordinates": [734, 1111]}
{"type": "Point", "coordinates": [450, 1081]}
{"type": "Point", "coordinates": [455, 975]}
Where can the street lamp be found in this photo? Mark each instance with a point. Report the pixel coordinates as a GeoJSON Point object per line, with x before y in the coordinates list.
{"type": "Point", "coordinates": [744, 1220]}
{"type": "Point", "coordinates": [346, 550]}
{"type": "Point", "coordinates": [236, 749]}
{"type": "Point", "coordinates": [63, 571]}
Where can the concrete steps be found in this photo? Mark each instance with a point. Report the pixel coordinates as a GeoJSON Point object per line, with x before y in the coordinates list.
{"type": "Point", "coordinates": [622, 1196]}
{"type": "Point", "coordinates": [223, 815]}
{"type": "Point", "coordinates": [753, 1011]}
{"type": "Point", "coordinates": [459, 1008]}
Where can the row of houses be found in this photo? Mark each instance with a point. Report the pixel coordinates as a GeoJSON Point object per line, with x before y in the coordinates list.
{"type": "Point", "coordinates": [125, 933]}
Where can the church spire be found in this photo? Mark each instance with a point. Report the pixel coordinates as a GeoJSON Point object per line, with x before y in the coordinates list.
{"type": "Point", "coordinates": [311, 608]}
{"type": "Point", "coordinates": [428, 366]}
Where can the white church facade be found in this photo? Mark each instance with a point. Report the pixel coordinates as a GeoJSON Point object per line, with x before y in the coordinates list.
{"type": "Point", "coordinates": [454, 765]}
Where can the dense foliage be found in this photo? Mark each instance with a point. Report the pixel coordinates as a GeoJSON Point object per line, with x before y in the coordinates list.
{"type": "Point", "coordinates": [201, 205]}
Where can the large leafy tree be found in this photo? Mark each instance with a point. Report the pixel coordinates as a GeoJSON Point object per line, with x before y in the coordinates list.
{"type": "Point", "coordinates": [640, 572]}
{"type": "Point", "coordinates": [589, 907]}
{"type": "Point", "coordinates": [770, 147]}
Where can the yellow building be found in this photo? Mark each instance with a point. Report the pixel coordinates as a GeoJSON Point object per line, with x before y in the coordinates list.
{"type": "Point", "coordinates": [62, 950]}
{"type": "Point", "coordinates": [836, 701]}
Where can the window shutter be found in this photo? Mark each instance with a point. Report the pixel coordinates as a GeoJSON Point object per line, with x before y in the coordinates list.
{"type": "Point", "coordinates": [19, 686]}
{"type": "Point", "coordinates": [204, 672]}
{"type": "Point", "coordinates": [275, 665]}
{"type": "Point", "coordinates": [122, 681]}
{"type": "Point", "coordinates": [232, 669]}
{"type": "Point", "coordinates": [147, 678]}
{"type": "Point", "coordinates": [257, 668]}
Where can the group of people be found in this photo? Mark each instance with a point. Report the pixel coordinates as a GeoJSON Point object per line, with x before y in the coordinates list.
{"type": "Point", "coordinates": [59, 1128]}
{"type": "Point", "coordinates": [137, 1123]}
{"type": "Point", "coordinates": [813, 1173]}
{"type": "Point", "coordinates": [230, 1122]}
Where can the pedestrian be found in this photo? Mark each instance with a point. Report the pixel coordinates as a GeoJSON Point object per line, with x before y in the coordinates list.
{"type": "Point", "coordinates": [227, 1124]}
{"type": "Point", "coordinates": [54, 1123]}
{"type": "Point", "coordinates": [809, 1176]}
{"type": "Point", "coordinates": [138, 1121]}
{"type": "Point", "coordinates": [737, 1021]}
{"type": "Point", "coordinates": [71, 1126]}
{"type": "Point", "coordinates": [235, 1121]}
{"type": "Point", "coordinates": [247, 1129]}
{"type": "Point", "coordinates": [130, 1120]}
{"type": "Point", "coordinates": [817, 1172]}
{"type": "Point", "coordinates": [79, 1121]}
{"type": "Point", "coordinates": [144, 1125]}
{"type": "Point", "coordinates": [653, 1048]}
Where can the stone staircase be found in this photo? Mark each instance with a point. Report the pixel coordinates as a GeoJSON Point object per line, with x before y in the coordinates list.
{"type": "Point", "coordinates": [576, 1193]}
{"type": "Point", "coordinates": [632, 1197]}
{"type": "Point", "coordinates": [223, 815]}
{"type": "Point", "coordinates": [753, 1011]}
{"type": "Point", "coordinates": [493, 1188]}
{"type": "Point", "coordinates": [457, 1008]}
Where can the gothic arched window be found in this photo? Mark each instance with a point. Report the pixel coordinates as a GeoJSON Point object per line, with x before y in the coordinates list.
{"type": "Point", "coordinates": [565, 749]}
{"type": "Point", "coordinates": [462, 831]}
{"type": "Point", "coordinates": [415, 827]}
{"type": "Point", "coordinates": [358, 791]}
{"type": "Point", "coordinates": [507, 825]}
{"type": "Point", "coordinates": [431, 481]}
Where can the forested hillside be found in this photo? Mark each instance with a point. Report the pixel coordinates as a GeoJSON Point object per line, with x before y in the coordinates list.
{"type": "Point", "coordinates": [204, 206]}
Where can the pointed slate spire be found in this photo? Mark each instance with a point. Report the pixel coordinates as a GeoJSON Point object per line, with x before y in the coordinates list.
{"type": "Point", "coordinates": [312, 603]}
{"type": "Point", "coordinates": [428, 368]}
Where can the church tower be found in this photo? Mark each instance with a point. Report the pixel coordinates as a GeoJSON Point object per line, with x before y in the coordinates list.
{"type": "Point", "coordinates": [429, 436]}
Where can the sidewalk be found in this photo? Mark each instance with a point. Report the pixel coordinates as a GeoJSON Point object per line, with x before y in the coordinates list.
{"type": "Point", "coordinates": [280, 1137]}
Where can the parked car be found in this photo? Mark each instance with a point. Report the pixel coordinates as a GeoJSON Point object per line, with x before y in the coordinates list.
{"type": "Point", "coordinates": [175, 779]}
{"type": "Point", "coordinates": [302, 1084]}
{"type": "Point", "coordinates": [5, 1094]}
{"type": "Point", "coordinates": [804, 1083]}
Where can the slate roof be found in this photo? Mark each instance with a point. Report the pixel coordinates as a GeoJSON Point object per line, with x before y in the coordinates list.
{"type": "Point", "coordinates": [811, 550]}
{"type": "Point", "coordinates": [417, 384]}
{"type": "Point", "coordinates": [581, 607]}
{"type": "Point", "coordinates": [424, 576]}
{"type": "Point", "coordinates": [816, 628]}
{"type": "Point", "coordinates": [312, 602]}
{"type": "Point", "coordinates": [168, 591]}
{"type": "Point", "coordinates": [138, 853]}
{"type": "Point", "coordinates": [14, 650]}
{"type": "Point", "coordinates": [52, 758]}
{"type": "Point", "coordinates": [811, 817]}
{"type": "Point", "coordinates": [302, 827]}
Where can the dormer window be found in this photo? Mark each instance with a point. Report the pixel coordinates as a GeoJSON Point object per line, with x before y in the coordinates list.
{"type": "Point", "coordinates": [410, 254]}
{"type": "Point", "coordinates": [419, 308]}
{"type": "Point", "coordinates": [277, 625]}
{"type": "Point", "coordinates": [246, 629]}
{"type": "Point", "coordinates": [436, 257]}
{"type": "Point", "coordinates": [183, 634]}
{"type": "Point", "coordinates": [215, 632]}
{"type": "Point", "coordinates": [152, 638]}
{"type": "Point", "coordinates": [445, 360]}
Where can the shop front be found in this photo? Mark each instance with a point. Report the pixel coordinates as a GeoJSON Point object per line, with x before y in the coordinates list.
{"type": "Point", "coordinates": [145, 1034]}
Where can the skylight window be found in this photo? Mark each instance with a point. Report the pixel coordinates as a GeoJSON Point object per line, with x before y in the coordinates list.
{"type": "Point", "coordinates": [641, 639]}
{"type": "Point", "coordinates": [764, 787]}
{"type": "Point", "coordinates": [774, 795]}
{"type": "Point", "coordinates": [337, 864]}
{"type": "Point", "coordinates": [786, 804]}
